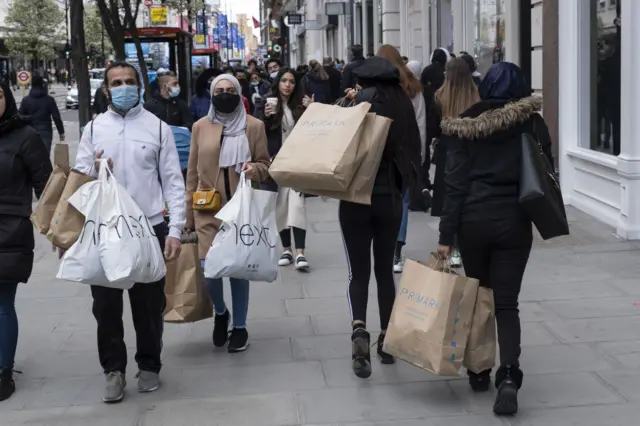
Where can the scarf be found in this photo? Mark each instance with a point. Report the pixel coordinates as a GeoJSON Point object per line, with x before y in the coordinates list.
{"type": "Point", "coordinates": [234, 149]}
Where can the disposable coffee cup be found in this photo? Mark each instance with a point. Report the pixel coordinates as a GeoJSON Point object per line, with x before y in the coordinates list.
{"type": "Point", "coordinates": [272, 101]}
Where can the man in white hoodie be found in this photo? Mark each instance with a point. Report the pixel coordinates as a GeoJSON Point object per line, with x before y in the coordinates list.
{"type": "Point", "coordinates": [142, 155]}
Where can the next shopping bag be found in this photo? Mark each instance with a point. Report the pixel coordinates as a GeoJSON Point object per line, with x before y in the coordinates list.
{"type": "Point", "coordinates": [321, 153]}
{"type": "Point", "coordinates": [431, 319]}
{"type": "Point", "coordinates": [245, 246]}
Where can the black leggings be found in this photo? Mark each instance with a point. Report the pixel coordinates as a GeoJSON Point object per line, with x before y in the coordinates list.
{"type": "Point", "coordinates": [496, 252]}
{"type": "Point", "coordinates": [299, 237]}
{"type": "Point", "coordinates": [361, 226]}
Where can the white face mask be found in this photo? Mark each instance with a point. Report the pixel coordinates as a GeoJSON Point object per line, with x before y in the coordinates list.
{"type": "Point", "coordinates": [273, 74]}
{"type": "Point", "coordinates": [174, 92]}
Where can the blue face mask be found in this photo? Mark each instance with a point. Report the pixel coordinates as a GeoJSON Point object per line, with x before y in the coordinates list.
{"type": "Point", "coordinates": [125, 97]}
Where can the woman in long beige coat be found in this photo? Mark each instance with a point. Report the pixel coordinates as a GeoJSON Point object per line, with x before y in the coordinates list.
{"type": "Point", "coordinates": [224, 144]}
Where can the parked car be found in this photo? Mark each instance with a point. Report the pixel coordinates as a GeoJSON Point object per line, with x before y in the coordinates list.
{"type": "Point", "coordinates": [72, 94]}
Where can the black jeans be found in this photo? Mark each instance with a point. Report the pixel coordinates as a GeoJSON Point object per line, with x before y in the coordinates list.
{"type": "Point", "coordinates": [496, 252]}
{"type": "Point", "coordinates": [364, 226]}
{"type": "Point", "coordinates": [147, 309]}
{"type": "Point", "coordinates": [299, 237]}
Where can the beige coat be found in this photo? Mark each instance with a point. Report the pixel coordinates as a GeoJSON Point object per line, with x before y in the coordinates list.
{"type": "Point", "coordinates": [203, 169]}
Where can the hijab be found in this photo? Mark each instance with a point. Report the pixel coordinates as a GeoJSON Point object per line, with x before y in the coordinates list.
{"type": "Point", "coordinates": [505, 81]}
{"type": "Point", "coordinates": [415, 67]}
{"type": "Point", "coordinates": [441, 56]}
{"type": "Point", "coordinates": [10, 119]}
{"type": "Point", "coordinates": [234, 150]}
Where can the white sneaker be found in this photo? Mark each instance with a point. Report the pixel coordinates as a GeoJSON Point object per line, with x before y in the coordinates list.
{"type": "Point", "coordinates": [456, 260]}
{"type": "Point", "coordinates": [398, 264]}
{"type": "Point", "coordinates": [301, 263]}
{"type": "Point", "coordinates": [286, 259]}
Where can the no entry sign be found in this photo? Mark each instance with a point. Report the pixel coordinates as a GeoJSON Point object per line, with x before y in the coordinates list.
{"type": "Point", "coordinates": [24, 78]}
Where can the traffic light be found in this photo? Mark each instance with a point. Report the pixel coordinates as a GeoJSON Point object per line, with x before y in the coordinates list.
{"type": "Point", "coordinates": [67, 49]}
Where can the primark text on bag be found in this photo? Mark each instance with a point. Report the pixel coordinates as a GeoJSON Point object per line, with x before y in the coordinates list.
{"type": "Point", "coordinates": [321, 153]}
{"type": "Point", "coordinates": [431, 319]}
{"type": "Point", "coordinates": [117, 245]}
{"type": "Point", "coordinates": [245, 246]}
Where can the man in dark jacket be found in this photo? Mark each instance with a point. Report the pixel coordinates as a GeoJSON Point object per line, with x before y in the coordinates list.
{"type": "Point", "coordinates": [100, 102]}
{"type": "Point", "coordinates": [41, 108]}
{"type": "Point", "coordinates": [335, 78]}
{"type": "Point", "coordinates": [273, 67]}
{"type": "Point", "coordinates": [348, 77]}
{"type": "Point", "coordinates": [167, 104]}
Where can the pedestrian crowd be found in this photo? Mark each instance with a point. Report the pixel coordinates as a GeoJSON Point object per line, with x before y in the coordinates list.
{"type": "Point", "coordinates": [183, 162]}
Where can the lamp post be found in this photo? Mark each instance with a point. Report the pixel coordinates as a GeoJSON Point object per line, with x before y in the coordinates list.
{"type": "Point", "coordinates": [67, 45]}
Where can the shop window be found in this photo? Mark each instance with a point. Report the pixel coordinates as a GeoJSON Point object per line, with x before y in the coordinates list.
{"type": "Point", "coordinates": [605, 78]}
{"type": "Point", "coordinates": [489, 32]}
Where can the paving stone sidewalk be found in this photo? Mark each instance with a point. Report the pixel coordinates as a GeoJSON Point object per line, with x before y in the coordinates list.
{"type": "Point", "coordinates": [581, 355]}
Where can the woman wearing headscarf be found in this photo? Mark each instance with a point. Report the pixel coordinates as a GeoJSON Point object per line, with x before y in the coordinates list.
{"type": "Point", "coordinates": [24, 168]}
{"type": "Point", "coordinates": [291, 209]}
{"type": "Point", "coordinates": [224, 144]}
{"type": "Point", "coordinates": [482, 207]}
{"type": "Point", "coordinates": [201, 101]}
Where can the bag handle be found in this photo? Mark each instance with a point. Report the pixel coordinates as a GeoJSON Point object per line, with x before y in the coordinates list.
{"type": "Point", "coordinates": [105, 172]}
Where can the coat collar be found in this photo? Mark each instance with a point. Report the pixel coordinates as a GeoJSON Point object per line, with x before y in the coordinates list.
{"type": "Point", "coordinates": [490, 117]}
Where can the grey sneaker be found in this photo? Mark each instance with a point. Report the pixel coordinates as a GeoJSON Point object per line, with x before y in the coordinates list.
{"type": "Point", "coordinates": [114, 389]}
{"type": "Point", "coordinates": [148, 381]}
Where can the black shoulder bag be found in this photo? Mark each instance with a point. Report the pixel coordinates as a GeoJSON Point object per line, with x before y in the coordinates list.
{"type": "Point", "coordinates": [540, 194]}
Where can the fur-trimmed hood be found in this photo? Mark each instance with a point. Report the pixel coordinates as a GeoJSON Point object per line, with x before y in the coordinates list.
{"type": "Point", "coordinates": [488, 118]}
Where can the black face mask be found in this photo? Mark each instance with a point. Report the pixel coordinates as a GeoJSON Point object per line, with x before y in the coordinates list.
{"type": "Point", "coordinates": [225, 102]}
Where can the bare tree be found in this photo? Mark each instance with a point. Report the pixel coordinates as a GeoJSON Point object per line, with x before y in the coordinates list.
{"type": "Point", "coordinates": [80, 62]}
{"type": "Point", "coordinates": [113, 25]}
{"type": "Point", "coordinates": [130, 23]}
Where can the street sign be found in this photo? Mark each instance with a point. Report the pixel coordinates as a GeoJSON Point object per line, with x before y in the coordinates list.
{"type": "Point", "coordinates": [148, 3]}
{"type": "Point", "coordinates": [159, 15]}
{"type": "Point", "coordinates": [277, 48]}
{"type": "Point", "coordinates": [294, 19]}
{"type": "Point", "coordinates": [24, 78]}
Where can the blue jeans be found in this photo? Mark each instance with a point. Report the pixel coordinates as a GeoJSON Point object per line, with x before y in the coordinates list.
{"type": "Point", "coordinates": [402, 235]}
{"type": "Point", "coordinates": [8, 324]}
{"type": "Point", "coordinates": [239, 298]}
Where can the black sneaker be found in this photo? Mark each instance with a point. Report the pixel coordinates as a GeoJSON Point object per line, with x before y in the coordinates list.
{"type": "Point", "coordinates": [221, 329]}
{"type": "Point", "coordinates": [361, 357]}
{"type": "Point", "coordinates": [7, 384]}
{"type": "Point", "coordinates": [286, 259]}
{"type": "Point", "coordinates": [480, 382]}
{"type": "Point", "coordinates": [238, 340]}
{"type": "Point", "coordinates": [508, 382]}
{"type": "Point", "coordinates": [385, 358]}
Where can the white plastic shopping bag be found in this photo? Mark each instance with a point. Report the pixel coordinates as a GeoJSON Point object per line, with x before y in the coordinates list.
{"type": "Point", "coordinates": [129, 248]}
{"type": "Point", "coordinates": [81, 263]}
{"type": "Point", "coordinates": [245, 245]}
{"type": "Point", "coordinates": [117, 246]}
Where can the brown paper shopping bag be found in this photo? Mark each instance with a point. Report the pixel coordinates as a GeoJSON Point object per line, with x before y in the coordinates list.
{"type": "Point", "coordinates": [61, 155]}
{"type": "Point", "coordinates": [46, 207]}
{"type": "Point", "coordinates": [480, 354]}
{"type": "Point", "coordinates": [372, 142]}
{"type": "Point", "coordinates": [431, 319]}
{"type": "Point", "coordinates": [187, 298]}
{"type": "Point", "coordinates": [321, 152]}
{"type": "Point", "coordinates": [67, 222]}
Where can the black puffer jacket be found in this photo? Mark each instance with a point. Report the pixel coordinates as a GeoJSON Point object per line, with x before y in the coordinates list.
{"type": "Point", "coordinates": [320, 89]}
{"type": "Point", "coordinates": [401, 158]}
{"type": "Point", "coordinates": [482, 174]}
{"type": "Point", "coordinates": [24, 167]}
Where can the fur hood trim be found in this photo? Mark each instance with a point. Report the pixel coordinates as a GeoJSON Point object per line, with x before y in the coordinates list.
{"type": "Point", "coordinates": [494, 120]}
